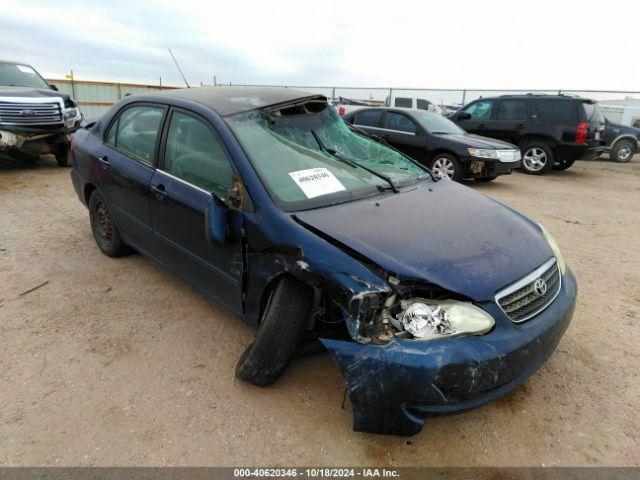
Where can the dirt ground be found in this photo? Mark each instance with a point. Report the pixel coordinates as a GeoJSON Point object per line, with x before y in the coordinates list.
{"type": "Point", "coordinates": [116, 362]}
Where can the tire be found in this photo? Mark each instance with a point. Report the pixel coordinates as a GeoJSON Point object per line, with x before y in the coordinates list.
{"type": "Point", "coordinates": [62, 155]}
{"type": "Point", "coordinates": [281, 330]}
{"type": "Point", "coordinates": [486, 179]}
{"type": "Point", "coordinates": [623, 151]}
{"type": "Point", "coordinates": [104, 229]}
{"type": "Point", "coordinates": [446, 164]}
{"type": "Point", "coordinates": [563, 164]}
{"type": "Point", "coordinates": [537, 157]}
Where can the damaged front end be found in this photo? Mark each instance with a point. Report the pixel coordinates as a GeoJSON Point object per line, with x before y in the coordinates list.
{"type": "Point", "coordinates": [418, 357]}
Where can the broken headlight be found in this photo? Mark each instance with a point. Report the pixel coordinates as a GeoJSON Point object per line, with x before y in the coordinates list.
{"type": "Point", "coordinates": [71, 116]}
{"type": "Point", "coordinates": [431, 319]}
{"type": "Point", "coordinates": [555, 249]}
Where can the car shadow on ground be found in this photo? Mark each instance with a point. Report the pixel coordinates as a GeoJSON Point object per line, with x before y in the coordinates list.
{"type": "Point", "coordinates": [9, 162]}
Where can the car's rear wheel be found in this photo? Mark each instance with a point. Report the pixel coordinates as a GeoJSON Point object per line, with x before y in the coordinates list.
{"type": "Point", "coordinates": [446, 165]}
{"type": "Point", "coordinates": [104, 228]}
{"type": "Point", "coordinates": [623, 151]}
{"type": "Point", "coordinates": [283, 323]}
{"type": "Point", "coordinates": [563, 164]}
{"type": "Point", "coordinates": [537, 157]}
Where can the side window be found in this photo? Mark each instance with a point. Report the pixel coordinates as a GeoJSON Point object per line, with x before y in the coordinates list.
{"type": "Point", "coordinates": [368, 118]}
{"type": "Point", "coordinates": [512, 110]}
{"type": "Point", "coordinates": [194, 154]}
{"type": "Point", "coordinates": [422, 104]}
{"type": "Point", "coordinates": [480, 110]}
{"type": "Point", "coordinates": [403, 102]}
{"type": "Point", "coordinates": [557, 111]}
{"type": "Point", "coordinates": [111, 135]}
{"type": "Point", "coordinates": [396, 121]}
{"type": "Point", "coordinates": [137, 132]}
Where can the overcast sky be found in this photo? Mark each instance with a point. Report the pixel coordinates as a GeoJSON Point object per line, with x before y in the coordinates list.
{"type": "Point", "coordinates": [450, 44]}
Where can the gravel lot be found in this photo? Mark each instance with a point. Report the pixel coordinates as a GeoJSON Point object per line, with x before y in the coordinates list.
{"type": "Point", "coordinates": [116, 362]}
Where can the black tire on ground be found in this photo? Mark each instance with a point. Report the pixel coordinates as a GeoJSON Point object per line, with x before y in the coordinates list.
{"type": "Point", "coordinates": [563, 164]}
{"type": "Point", "coordinates": [445, 163]}
{"type": "Point", "coordinates": [62, 155]}
{"type": "Point", "coordinates": [537, 157]}
{"type": "Point", "coordinates": [486, 179]}
{"type": "Point", "coordinates": [283, 323]}
{"type": "Point", "coordinates": [623, 151]}
{"type": "Point", "coordinates": [104, 228]}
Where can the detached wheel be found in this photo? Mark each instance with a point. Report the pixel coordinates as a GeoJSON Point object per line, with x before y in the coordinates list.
{"type": "Point", "coordinates": [104, 228]}
{"type": "Point", "coordinates": [563, 164]}
{"type": "Point", "coordinates": [537, 157]}
{"type": "Point", "coordinates": [623, 151]}
{"type": "Point", "coordinates": [446, 165]}
{"type": "Point", "coordinates": [281, 330]}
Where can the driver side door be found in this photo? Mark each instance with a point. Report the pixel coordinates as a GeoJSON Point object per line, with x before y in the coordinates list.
{"type": "Point", "coordinates": [194, 163]}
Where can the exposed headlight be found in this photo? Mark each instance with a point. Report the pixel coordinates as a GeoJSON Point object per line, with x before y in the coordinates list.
{"type": "Point", "coordinates": [71, 116]}
{"type": "Point", "coordinates": [483, 153]}
{"type": "Point", "coordinates": [555, 249]}
{"type": "Point", "coordinates": [431, 319]}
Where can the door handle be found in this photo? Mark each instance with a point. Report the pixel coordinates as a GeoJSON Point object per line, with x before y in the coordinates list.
{"type": "Point", "coordinates": [520, 126]}
{"type": "Point", "coordinates": [159, 191]}
{"type": "Point", "coordinates": [104, 162]}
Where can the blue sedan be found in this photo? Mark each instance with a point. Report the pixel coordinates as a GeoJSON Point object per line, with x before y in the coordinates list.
{"type": "Point", "coordinates": [432, 298]}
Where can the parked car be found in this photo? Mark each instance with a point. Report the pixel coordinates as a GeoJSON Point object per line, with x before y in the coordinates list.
{"type": "Point", "coordinates": [438, 143]}
{"type": "Point", "coordinates": [622, 141]}
{"type": "Point", "coordinates": [552, 131]}
{"type": "Point", "coordinates": [431, 297]}
{"type": "Point", "coordinates": [35, 118]}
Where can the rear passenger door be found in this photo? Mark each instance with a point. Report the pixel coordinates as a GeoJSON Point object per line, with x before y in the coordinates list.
{"type": "Point", "coordinates": [369, 120]}
{"type": "Point", "coordinates": [194, 163]}
{"type": "Point", "coordinates": [126, 162]}
{"type": "Point", "coordinates": [511, 120]}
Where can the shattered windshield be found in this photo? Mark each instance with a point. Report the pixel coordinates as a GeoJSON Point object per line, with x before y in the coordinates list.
{"type": "Point", "coordinates": [14, 75]}
{"type": "Point", "coordinates": [303, 171]}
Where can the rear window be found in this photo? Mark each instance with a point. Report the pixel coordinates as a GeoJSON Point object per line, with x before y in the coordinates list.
{"type": "Point", "coordinates": [403, 102]}
{"type": "Point", "coordinates": [557, 111]}
{"type": "Point", "coordinates": [368, 118]}
{"type": "Point", "coordinates": [593, 113]}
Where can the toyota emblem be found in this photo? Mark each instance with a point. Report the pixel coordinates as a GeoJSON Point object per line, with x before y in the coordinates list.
{"type": "Point", "coordinates": [540, 287]}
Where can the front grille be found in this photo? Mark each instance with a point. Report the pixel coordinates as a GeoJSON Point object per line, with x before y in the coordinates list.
{"type": "Point", "coordinates": [30, 114]}
{"type": "Point", "coordinates": [522, 300]}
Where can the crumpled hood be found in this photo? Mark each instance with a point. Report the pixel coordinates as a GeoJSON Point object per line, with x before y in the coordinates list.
{"type": "Point", "coordinates": [439, 232]}
{"type": "Point", "coordinates": [478, 141]}
{"type": "Point", "coordinates": [31, 92]}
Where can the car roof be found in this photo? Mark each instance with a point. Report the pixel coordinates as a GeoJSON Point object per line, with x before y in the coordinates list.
{"type": "Point", "coordinates": [230, 100]}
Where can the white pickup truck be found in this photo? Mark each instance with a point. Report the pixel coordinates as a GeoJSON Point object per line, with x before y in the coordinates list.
{"type": "Point", "coordinates": [346, 105]}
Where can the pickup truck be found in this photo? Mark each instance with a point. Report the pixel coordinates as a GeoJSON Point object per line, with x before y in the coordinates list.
{"type": "Point", "coordinates": [35, 119]}
{"type": "Point", "coordinates": [347, 105]}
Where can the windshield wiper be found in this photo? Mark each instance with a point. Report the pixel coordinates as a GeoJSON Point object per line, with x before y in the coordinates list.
{"type": "Point", "coordinates": [348, 161]}
{"type": "Point", "coordinates": [382, 141]}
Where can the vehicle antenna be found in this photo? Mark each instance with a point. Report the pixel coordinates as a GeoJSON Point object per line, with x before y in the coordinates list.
{"type": "Point", "coordinates": [179, 69]}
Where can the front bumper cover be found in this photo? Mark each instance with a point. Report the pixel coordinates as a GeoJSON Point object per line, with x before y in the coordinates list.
{"type": "Point", "coordinates": [394, 387]}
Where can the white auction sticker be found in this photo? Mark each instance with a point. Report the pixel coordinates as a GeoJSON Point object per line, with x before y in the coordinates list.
{"type": "Point", "coordinates": [315, 182]}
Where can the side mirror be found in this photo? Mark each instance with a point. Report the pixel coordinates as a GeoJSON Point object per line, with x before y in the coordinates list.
{"type": "Point", "coordinates": [216, 221]}
{"type": "Point", "coordinates": [53, 87]}
{"type": "Point", "coordinates": [463, 116]}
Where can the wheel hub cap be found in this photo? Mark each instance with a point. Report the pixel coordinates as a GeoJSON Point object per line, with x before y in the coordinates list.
{"type": "Point", "coordinates": [534, 159]}
{"type": "Point", "coordinates": [443, 167]}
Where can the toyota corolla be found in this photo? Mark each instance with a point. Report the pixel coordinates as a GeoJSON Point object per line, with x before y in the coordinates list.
{"type": "Point", "coordinates": [432, 298]}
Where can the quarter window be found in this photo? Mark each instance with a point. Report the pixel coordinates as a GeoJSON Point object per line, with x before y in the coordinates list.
{"type": "Point", "coordinates": [480, 110]}
{"type": "Point", "coordinates": [135, 132]}
{"type": "Point", "coordinates": [194, 154]}
{"type": "Point", "coordinates": [557, 111]}
{"type": "Point", "coordinates": [512, 110]}
{"type": "Point", "coordinates": [397, 121]}
{"type": "Point", "coordinates": [403, 102]}
{"type": "Point", "coordinates": [368, 118]}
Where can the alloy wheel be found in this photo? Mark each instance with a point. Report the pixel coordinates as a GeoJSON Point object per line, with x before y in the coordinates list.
{"type": "Point", "coordinates": [534, 159]}
{"type": "Point", "coordinates": [444, 167]}
{"type": "Point", "coordinates": [624, 153]}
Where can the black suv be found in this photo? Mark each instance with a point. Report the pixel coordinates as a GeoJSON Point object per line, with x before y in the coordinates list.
{"type": "Point", "coordinates": [552, 131]}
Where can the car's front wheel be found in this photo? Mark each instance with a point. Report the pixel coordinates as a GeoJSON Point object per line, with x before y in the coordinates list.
{"type": "Point", "coordinates": [537, 157]}
{"type": "Point", "coordinates": [281, 329]}
{"type": "Point", "coordinates": [104, 228]}
{"type": "Point", "coordinates": [446, 165]}
{"type": "Point", "coordinates": [623, 151]}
